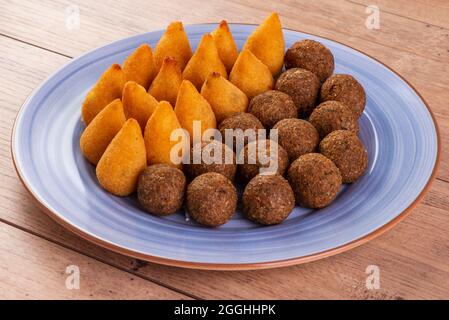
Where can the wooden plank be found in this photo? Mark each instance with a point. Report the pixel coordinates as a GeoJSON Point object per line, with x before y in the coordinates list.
{"type": "Point", "coordinates": [345, 22]}
{"type": "Point", "coordinates": [432, 12]}
{"type": "Point", "coordinates": [101, 22]}
{"type": "Point", "coordinates": [408, 273]}
{"type": "Point", "coordinates": [33, 268]}
{"type": "Point", "coordinates": [437, 3]}
{"type": "Point", "coordinates": [443, 172]}
{"type": "Point", "coordinates": [424, 270]}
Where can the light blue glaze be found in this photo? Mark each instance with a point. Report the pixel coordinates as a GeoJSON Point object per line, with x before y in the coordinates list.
{"type": "Point", "coordinates": [396, 128]}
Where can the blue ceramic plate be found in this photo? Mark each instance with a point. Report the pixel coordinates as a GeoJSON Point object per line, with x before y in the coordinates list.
{"type": "Point", "coordinates": [397, 128]}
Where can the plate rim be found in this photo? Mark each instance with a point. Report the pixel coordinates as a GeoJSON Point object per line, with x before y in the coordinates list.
{"type": "Point", "coordinates": [231, 266]}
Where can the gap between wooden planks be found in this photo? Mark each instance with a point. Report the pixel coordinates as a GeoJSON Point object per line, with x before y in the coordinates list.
{"type": "Point", "coordinates": [34, 268]}
{"type": "Point", "coordinates": [416, 10]}
{"type": "Point", "coordinates": [101, 23]}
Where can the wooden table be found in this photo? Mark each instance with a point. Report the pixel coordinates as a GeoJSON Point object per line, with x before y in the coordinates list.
{"type": "Point", "coordinates": [37, 38]}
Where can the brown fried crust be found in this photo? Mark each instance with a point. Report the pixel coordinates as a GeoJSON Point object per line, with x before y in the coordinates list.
{"type": "Point", "coordinates": [297, 137]}
{"type": "Point", "coordinates": [315, 180]}
{"type": "Point", "coordinates": [240, 120]}
{"type": "Point", "coordinates": [211, 199]}
{"type": "Point", "coordinates": [333, 115]}
{"type": "Point", "coordinates": [348, 153]}
{"type": "Point", "coordinates": [272, 106]}
{"type": "Point", "coordinates": [268, 199]}
{"type": "Point", "coordinates": [249, 170]}
{"type": "Point", "coordinates": [227, 169]}
{"type": "Point", "coordinates": [302, 86]}
{"type": "Point", "coordinates": [160, 189]}
{"type": "Point", "coordinates": [310, 55]}
{"type": "Point", "coordinates": [345, 89]}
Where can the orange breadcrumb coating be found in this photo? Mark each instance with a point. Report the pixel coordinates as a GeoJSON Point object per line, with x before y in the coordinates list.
{"type": "Point", "coordinates": [137, 103]}
{"type": "Point", "coordinates": [123, 161]}
{"type": "Point", "coordinates": [140, 67]}
{"type": "Point", "coordinates": [101, 130]}
{"type": "Point", "coordinates": [108, 88]}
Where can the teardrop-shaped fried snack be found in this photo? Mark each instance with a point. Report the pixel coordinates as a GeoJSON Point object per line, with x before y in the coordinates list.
{"type": "Point", "coordinates": [224, 97]}
{"type": "Point", "coordinates": [137, 103]}
{"type": "Point", "coordinates": [226, 46]}
{"type": "Point", "coordinates": [173, 43]}
{"type": "Point", "coordinates": [108, 88]}
{"type": "Point", "coordinates": [250, 75]}
{"type": "Point", "coordinates": [162, 123]}
{"type": "Point", "coordinates": [267, 43]}
{"type": "Point", "coordinates": [139, 66]}
{"type": "Point", "coordinates": [124, 159]}
{"type": "Point", "coordinates": [101, 130]}
{"type": "Point", "coordinates": [191, 106]}
{"type": "Point", "coordinates": [166, 84]}
{"type": "Point", "coordinates": [204, 61]}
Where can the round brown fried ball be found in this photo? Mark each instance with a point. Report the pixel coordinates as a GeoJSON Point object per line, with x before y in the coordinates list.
{"type": "Point", "coordinates": [271, 106]}
{"type": "Point", "coordinates": [345, 89]}
{"type": "Point", "coordinates": [268, 199]}
{"type": "Point", "coordinates": [160, 189]}
{"type": "Point", "coordinates": [315, 180]}
{"type": "Point", "coordinates": [297, 137]}
{"type": "Point", "coordinates": [348, 153]}
{"type": "Point", "coordinates": [251, 162]}
{"type": "Point", "coordinates": [302, 86]}
{"type": "Point", "coordinates": [203, 159]}
{"type": "Point", "coordinates": [310, 55]}
{"type": "Point", "coordinates": [243, 121]}
{"type": "Point", "coordinates": [211, 199]}
{"type": "Point", "coordinates": [333, 115]}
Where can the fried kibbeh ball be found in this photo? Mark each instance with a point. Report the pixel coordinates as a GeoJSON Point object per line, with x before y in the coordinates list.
{"type": "Point", "coordinates": [262, 156]}
{"type": "Point", "coordinates": [268, 199]}
{"type": "Point", "coordinates": [272, 106]}
{"type": "Point", "coordinates": [346, 89]}
{"type": "Point", "coordinates": [348, 153]}
{"type": "Point", "coordinates": [333, 115]}
{"type": "Point", "coordinates": [310, 55]}
{"type": "Point", "coordinates": [160, 189]}
{"type": "Point", "coordinates": [297, 137]}
{"type": "Point", "coordinates": [302, 86]}
{"type": "Point", "coordinates": [211, 199]}
{"type": "Point", "coordinates": [243, 121]}
{"type": "Point", "coordinates": [212, 156]}
{"type": "Point", "coordinates": [315, 180]}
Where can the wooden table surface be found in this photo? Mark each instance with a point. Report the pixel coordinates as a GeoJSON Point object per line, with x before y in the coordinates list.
{"type": "Point", "coordinates": [36, 39]}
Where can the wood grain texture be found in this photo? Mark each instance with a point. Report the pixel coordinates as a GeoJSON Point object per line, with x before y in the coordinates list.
{"type": "Point", "coordinates": [101, 22]}
{"type": "Point", "coordinates": [433, 12]}
{"type": "Point", "coordinates": [413, 257]}
{"type": "Point", "coordinates": [36, 268]}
